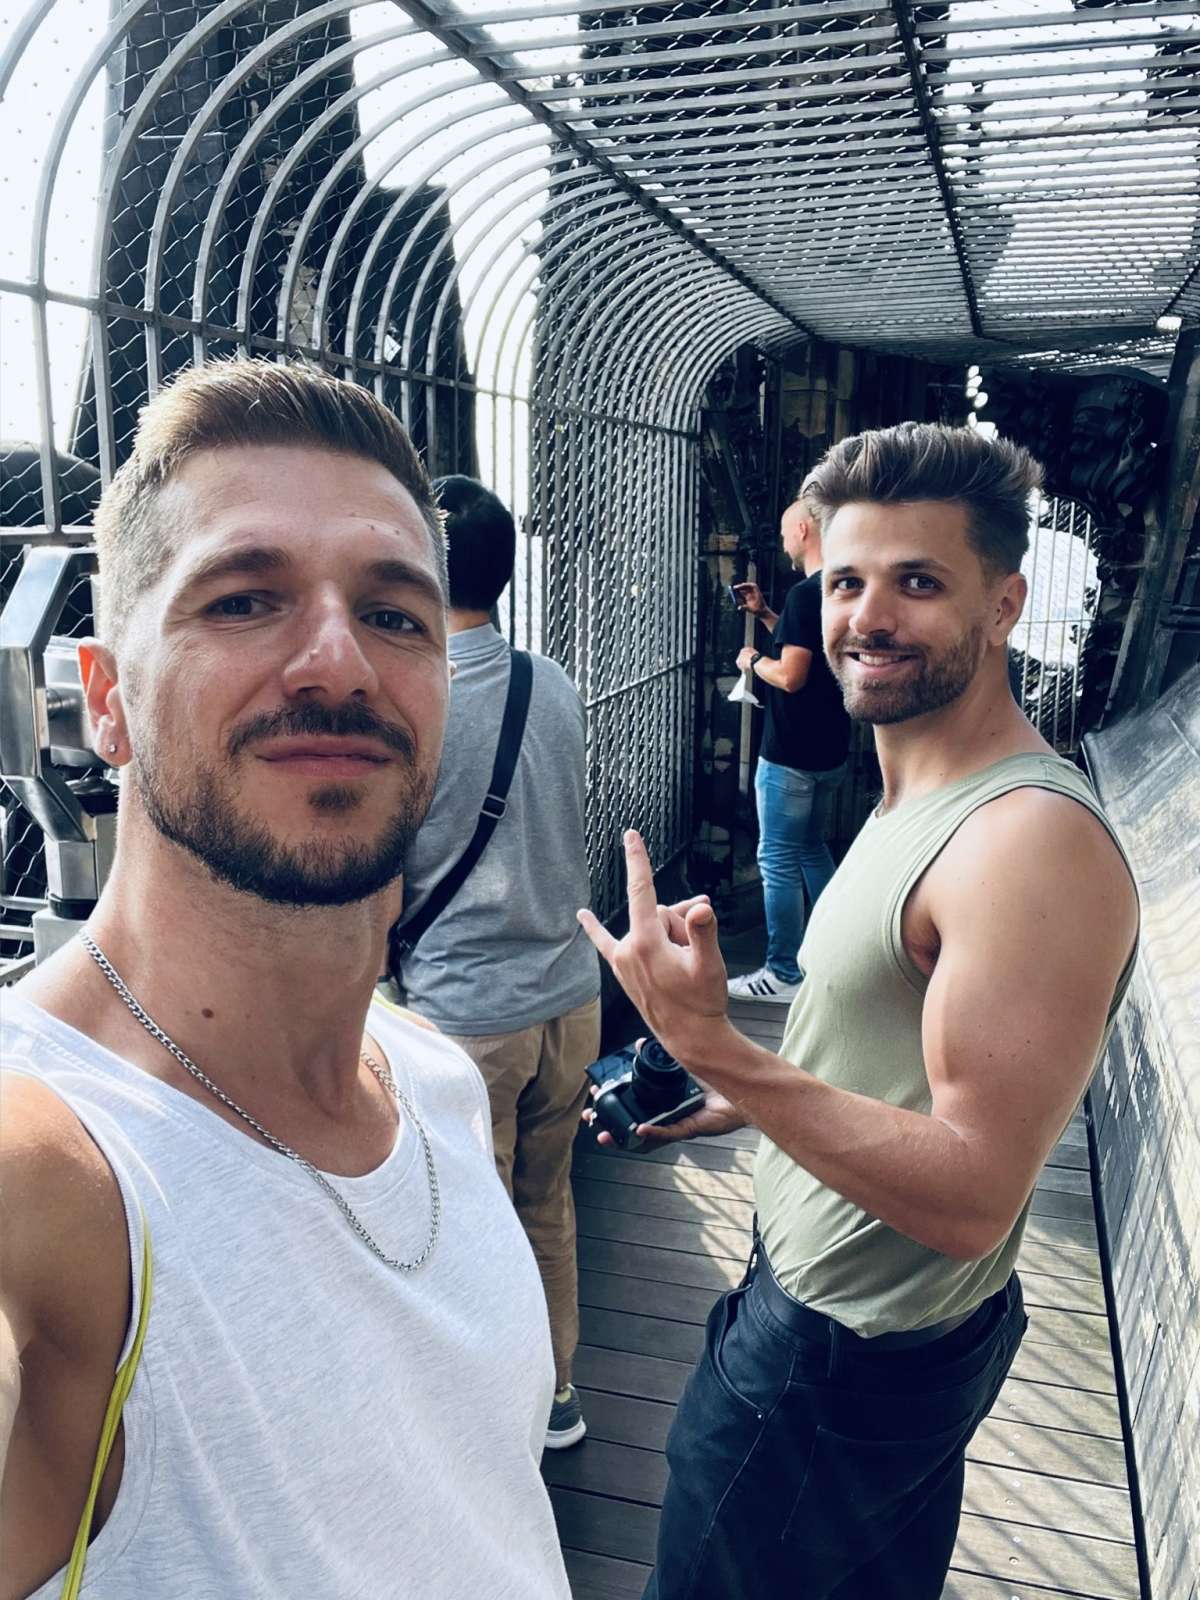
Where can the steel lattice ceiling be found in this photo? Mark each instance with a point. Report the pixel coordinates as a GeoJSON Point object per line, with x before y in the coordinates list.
{"type": "Point", "coordinates": [537, 229]}
{"type": "Point", "coordinates": [994, 180]}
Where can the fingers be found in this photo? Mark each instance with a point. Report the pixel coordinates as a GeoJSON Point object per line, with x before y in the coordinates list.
{"type": "Point", "coordinates": [673, 918]}
{"type": "Point", "coordinates": [682, 907]}
{"type": "Point", "coordinates": [597, 933]}
{"type": "Point", "coordinates": [701, 925]}
{"type": "Point", "coordinates": [643, 902]}
{"type": "Point", "coordinates": [668, 1133]}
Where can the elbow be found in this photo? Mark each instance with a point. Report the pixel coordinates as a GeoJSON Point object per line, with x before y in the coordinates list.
{"type": "Point", "coordinates": [973, 1238]}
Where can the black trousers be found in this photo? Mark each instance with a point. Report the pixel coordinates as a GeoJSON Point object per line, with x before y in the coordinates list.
{"type": "Point", "coordinates": [805, 1465]}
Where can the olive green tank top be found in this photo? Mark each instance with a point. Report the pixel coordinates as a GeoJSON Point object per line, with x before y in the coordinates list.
{"type": "Point", "coordinates": [856, 1023]}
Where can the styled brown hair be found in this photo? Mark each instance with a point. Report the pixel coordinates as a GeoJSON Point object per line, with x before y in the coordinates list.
{"type": "Point", "coordinates": [991, 478]}
{"type": "Point", "coordinates": [225, 404]}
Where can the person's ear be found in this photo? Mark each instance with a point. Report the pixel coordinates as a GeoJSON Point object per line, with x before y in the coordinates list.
{"type": "Point", "coordinates": [1006, 605]}
{"type": "Point", "coordinates": [105, 702]}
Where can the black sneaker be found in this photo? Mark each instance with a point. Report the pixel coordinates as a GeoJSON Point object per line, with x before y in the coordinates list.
{"type": "Point", "coordinates": [566, 1426]}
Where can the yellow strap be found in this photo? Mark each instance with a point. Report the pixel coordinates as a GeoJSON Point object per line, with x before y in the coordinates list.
{"type": "Point", "coordinates": [122, 1384]}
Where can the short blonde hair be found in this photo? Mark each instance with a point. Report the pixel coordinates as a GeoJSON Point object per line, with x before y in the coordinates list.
{"type": "Point", "coordinates": [223, 405]}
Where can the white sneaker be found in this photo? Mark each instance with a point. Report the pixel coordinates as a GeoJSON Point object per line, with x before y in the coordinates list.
{"type": "Point", "coordinates": [763, 985]}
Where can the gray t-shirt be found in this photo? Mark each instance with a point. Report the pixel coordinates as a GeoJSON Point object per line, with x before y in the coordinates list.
{"type": "Point", "coordinates": [507, 952]}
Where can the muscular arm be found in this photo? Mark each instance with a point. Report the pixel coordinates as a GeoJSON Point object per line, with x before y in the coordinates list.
{"type": "Point", "coordinates": [1031, 916]}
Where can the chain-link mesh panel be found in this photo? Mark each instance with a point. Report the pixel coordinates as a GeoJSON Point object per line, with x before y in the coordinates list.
{"type": "Point", "coordinates": [535, 233]}
{"type": "Point", "coordinates": [1050, 641]}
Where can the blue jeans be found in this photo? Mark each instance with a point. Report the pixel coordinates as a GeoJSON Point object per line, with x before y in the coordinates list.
{"type": "Point", "coordinates": [807, 1466]}
{"type": "Point", "coordinates": [793, 809]}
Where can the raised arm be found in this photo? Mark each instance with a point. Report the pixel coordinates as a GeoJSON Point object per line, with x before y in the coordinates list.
{"type": "Point", "coordinates": [1029, 915]}
{"type": "Point", "coordinates": [751, 598]}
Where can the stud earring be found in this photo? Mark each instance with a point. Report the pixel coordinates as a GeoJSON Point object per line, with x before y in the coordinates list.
{"type": "Point", "coordinates": [112, 749]}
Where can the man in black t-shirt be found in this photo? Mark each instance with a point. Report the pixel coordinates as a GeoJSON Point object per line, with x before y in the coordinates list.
{"type": "Point", "coordinates": [802, 760]}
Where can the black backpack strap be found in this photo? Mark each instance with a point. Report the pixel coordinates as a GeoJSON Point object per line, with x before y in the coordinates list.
{"type": "Point", "coordinates": [404, 935]}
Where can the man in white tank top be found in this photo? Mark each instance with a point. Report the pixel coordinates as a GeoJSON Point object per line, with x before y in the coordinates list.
{"type": "Point", "coordinates": [229, 1172]}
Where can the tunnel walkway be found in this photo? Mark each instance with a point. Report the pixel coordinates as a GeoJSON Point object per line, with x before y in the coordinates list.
{"type": "Point", "coordinates": [1047, 1508]}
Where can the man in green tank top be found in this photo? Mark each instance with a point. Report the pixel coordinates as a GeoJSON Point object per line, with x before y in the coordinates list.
{"type": "Point", "coordinates": [961, 974]}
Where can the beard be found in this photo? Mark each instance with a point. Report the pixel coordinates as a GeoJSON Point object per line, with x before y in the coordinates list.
{"type": "Point", "coordinates": [201, 815]}
{"type": "Point", "coordinates": [936, 683]}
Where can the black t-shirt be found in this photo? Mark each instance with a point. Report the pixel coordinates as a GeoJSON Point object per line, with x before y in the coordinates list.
{"type": "Point", "coordinates": [808, 729]}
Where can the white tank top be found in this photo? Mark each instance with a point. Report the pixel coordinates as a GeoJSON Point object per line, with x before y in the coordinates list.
{"type": "Point", "coordinates": [306, 1422]}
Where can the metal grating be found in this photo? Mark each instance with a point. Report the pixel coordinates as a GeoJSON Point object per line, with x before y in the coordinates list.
{"type": "Point", "coordinates": [537, 229]}
{"type": "Point", "coordinates": [1050, 641]}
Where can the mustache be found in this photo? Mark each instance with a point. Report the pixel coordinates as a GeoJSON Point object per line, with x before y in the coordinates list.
{"type": "Point", "coordinates": [876, 643]}
{"type": "Point", "coordinates": [312, 717]}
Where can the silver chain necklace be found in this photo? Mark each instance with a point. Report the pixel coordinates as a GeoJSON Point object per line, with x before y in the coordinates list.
{"type": "Point", "coordinates": [381, 1072]}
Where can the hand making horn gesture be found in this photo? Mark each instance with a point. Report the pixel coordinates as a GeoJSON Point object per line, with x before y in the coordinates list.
{"type": "Point", "coordinates": [670, 966]}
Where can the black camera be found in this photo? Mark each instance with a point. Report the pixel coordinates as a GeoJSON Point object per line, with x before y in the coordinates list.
{"type": "Point", "coordinates": [641, 1084]}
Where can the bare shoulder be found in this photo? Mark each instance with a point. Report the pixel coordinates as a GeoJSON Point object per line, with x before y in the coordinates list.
{"type": "Point", "coordinates": [63, 1248]}
{"type": "Point", "coordinates": [1045, 824]}
{"type": "Point", "coordinates": [1038, 848]}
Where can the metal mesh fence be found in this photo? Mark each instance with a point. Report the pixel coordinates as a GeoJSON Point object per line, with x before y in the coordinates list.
{"type": "Point", "coordinates": [1049, 642]}
{"type": "Point", "coordinates": [536, 230]}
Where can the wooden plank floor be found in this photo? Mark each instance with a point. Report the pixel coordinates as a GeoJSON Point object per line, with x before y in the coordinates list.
{"type": "Point", "coordinates": [1047, 1507]}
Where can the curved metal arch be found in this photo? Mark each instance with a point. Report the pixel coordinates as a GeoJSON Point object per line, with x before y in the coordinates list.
{"type": "Point", "coordinates": [289, 164]}
{"type": "Point", "coordinates": [668, 312]}
{"type": "Point", "coordinates": [536, 141]}
{"type": "Point", "coordinates": [534, 169]}
{"type": "Point", "coordinates": [249, 141]}
{"type": "Point", "coordinates": [664, 253]}
{"type": "Point", "coordinates": [670, 323]}
{"type": "Point", "coordinates": [571, 322]}
{"type": "Point", "coordinates": [18, 40]}
{"type": "Point", "coordinates": [695, 377]}
{"type": "Point", "coordinates": [242, 69]}
{"type": "Point", "coordinates": [570, 362]}
{"type": "Point", "coordinates": [557, 159]}
{"type": "Point", "coordinates": [682, 326]}
{"type": "Point", "coordinates": [434, 259]}
{"type": "Point", "coordinates": [61, 132]}
{"type": "Point", "coordinates": [685, 326]}
{"type": "Point", "coordinates": [541, 256]}
{"type": "Point", "coordinates": [628, 222]}
{"type": "Point", "coordinates": [368, 190]}
{"type": "Point", "coordinates": [299, 244]}
{"type": "Point", "coordinates": [300, 151]}
{"type": "Point", "coordinates": [131, 127]}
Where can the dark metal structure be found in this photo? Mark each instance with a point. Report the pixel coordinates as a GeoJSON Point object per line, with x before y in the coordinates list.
{"type": "Point", "coordinates": [538, 229]}
{"type": "Point", "coordinates": [547, 232]}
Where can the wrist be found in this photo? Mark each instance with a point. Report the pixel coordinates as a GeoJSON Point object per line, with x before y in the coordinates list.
{"type": "Point", "coordinates": [711, 1048]}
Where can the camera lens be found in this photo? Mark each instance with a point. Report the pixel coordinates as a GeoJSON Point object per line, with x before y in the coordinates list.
{"type": "Point", "coordinates": [658, 1080]}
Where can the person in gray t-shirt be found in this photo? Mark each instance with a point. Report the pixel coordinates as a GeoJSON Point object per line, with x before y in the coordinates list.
{"type": "Point", "coordinates": [506, 970]}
